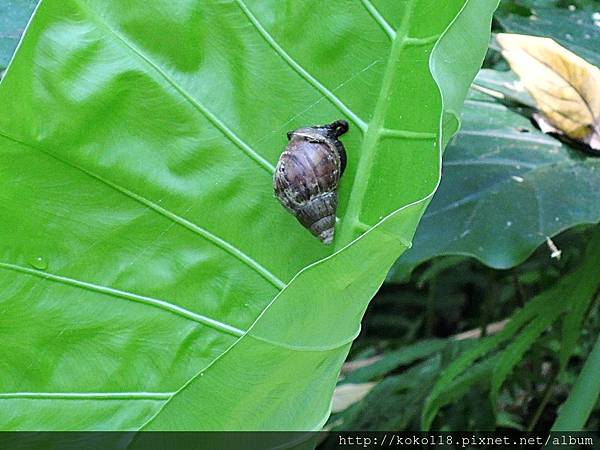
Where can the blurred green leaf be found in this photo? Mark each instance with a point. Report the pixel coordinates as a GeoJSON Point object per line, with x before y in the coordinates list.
{"type": "Point", "coordinates": [506, 83]}
{"type": "Point", "coordinates": [506, 187]}
{"type": "Point", "coordinates": [515, 352]}
{"type": "Point", "coordinates": [441, 395]}
{"type": "Point", "coordinates": [537, 315]}
{"type": "Point", "coordinates": [14, 15]}
{"type": "Point", "coordinates": [392, 360]}
{"type": "Point", "coordinates": [576, 410]}
{"type": "Point", "coordinates": [149, 279]}
{"type": "Point", "coordinates": [582, 298]}
{"type": "Point", "coordinates": [437, 268]}
{"type": "Point", "coordinates": [394, 403]}
{"type": "Point", "coordinates": [575, 29]}
{"type": "Point", "coordinates": [506, 420]}
{"type": "Point", "coordinates": [477, 376]}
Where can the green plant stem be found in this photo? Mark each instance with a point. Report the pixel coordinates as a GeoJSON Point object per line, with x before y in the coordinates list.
{"type": "Point", "coordinates": [545, 399]}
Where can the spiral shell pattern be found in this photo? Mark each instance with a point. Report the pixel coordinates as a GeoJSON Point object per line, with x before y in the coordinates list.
{"type": "Point", "coordinates": [307, 176]}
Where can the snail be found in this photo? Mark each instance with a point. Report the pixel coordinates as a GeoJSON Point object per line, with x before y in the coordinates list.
{"type": "Point", "coordinates": [307, 176]}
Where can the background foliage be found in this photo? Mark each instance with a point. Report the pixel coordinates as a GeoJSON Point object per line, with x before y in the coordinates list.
{"type": "Point", "coordinates": [453, 343]}
{"type": "Point", "coordinates": [149, 279]}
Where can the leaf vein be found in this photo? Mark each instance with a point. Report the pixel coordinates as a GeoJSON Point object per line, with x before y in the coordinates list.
{"type": "Point", "coordinates": [335, 100]}
{"type": "Point", "coordinates": [217, 241]}
{"type": "Point", "coordinates": [584, 100]}
{"type": "Point", "coordinates": [87, 395]}
{"type": "Point", "coordinates": [417, 41]}
{"type": "Point", "coordinates": [378, 17]}
{"type": "Point", "coordinates": [125, 295]}
{"type": "Point", "coordinates": [218, 123]}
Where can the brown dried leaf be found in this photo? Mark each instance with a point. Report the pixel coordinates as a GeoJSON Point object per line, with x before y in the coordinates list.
{"type": "Point", "coordinates": [565, 87]}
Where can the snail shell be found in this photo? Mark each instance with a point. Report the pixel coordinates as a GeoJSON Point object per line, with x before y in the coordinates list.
{"type": "Point", "coordinates": [307, 176]}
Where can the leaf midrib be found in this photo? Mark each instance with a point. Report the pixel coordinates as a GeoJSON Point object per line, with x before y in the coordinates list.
{"type": "Point", "coordinates": [351, 221]}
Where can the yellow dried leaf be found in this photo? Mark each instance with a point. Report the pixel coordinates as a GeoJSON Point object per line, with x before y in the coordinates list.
{"type": "Point", "coordinates": [565, 87]}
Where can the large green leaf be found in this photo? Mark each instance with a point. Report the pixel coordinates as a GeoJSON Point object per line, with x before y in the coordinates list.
{"type": "Point", "coordinates": [506, 187]}
{"type": "Point", "coordinates": [489, 216]}
{"type": "Point", "coordinates": [149, 278]}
